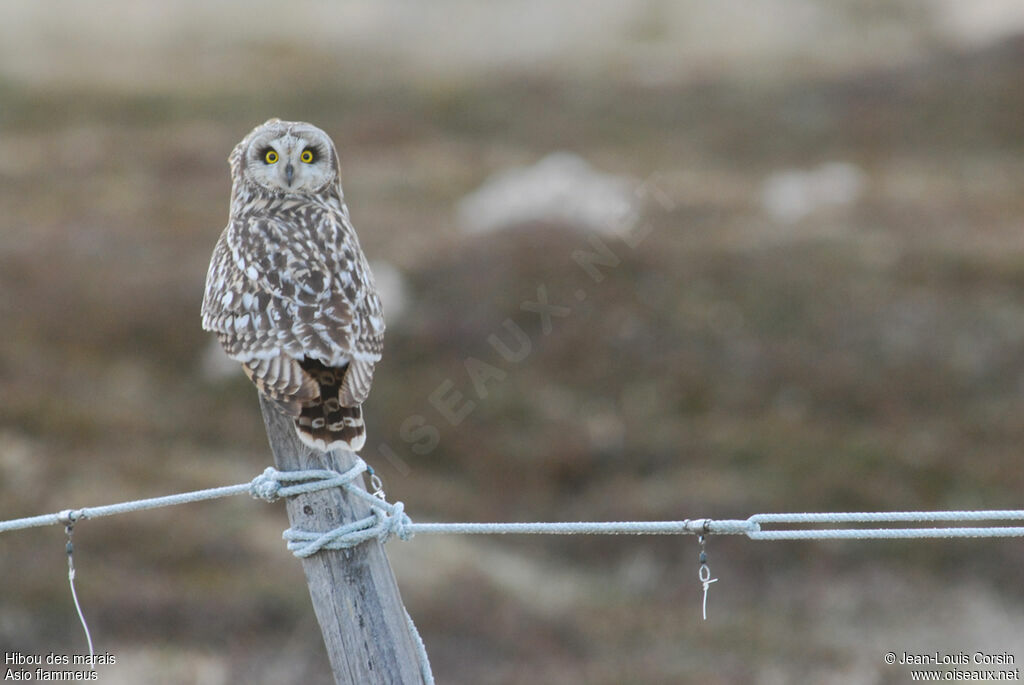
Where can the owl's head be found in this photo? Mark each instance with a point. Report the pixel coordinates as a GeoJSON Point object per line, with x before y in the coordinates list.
{"type": "Point", "coordinates": [285, 157]}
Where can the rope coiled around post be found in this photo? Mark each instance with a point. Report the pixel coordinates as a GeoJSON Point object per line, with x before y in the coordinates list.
{"type": "Point", "coordinates": [390, 519]}
{"type": "Point", "coordinates": [386, 520]}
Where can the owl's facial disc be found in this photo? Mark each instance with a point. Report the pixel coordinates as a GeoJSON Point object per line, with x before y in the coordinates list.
{"type": "Point", "coordinates": [292, 161]}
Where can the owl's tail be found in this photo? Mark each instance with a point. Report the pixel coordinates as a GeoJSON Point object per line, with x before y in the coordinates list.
{"type": "Point", "coordinates": [323, 422]}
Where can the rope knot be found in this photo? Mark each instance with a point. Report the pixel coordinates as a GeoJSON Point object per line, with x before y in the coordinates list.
{"type": "Point", "coordinates": [385, 519]}
{"type": "Point", "coordinates": [267, 485]}
{"type": "Point", "coordinates": [395, 522]}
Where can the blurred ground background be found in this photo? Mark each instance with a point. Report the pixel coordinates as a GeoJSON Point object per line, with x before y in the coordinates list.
{"type": "Point", "coordinates": [827, 314]}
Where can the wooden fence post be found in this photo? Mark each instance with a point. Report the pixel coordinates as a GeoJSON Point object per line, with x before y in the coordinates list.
{"type": "Point", "coordinates": [354, 592]}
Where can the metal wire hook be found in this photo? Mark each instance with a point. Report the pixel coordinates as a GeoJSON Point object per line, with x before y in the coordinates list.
{"type": "Point", "coordinates": [376, 484]}
{"type": "Point", "coordinates": [704, 573]}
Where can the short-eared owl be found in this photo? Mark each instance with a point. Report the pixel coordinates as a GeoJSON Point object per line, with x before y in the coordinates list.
{"type": "Point", "coordinates": [289, 293]}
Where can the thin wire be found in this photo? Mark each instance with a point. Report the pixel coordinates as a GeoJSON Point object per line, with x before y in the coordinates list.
{"type": "Point", "coordinates": [69, 529]}
{"type": "Point", "coordinates": [81, 617]}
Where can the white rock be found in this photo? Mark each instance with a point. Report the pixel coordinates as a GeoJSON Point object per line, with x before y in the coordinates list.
{"type": "Point", "coordinates": [790, 195]}
{"type": "Point", "coordinates": [560, 188]}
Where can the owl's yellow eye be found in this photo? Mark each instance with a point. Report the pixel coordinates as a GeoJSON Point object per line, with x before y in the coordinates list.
{"type": "Point", "coordinates": [270, 157]}
{"type": "Point", "coordinates": [307, 156]}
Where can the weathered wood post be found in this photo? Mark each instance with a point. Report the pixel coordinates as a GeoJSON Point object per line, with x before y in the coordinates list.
{"type": "Point", "coordinates": [354, 592]}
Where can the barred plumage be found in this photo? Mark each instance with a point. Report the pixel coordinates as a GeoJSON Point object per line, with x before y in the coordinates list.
{"type": "Point", "coordinates": [289, 292]}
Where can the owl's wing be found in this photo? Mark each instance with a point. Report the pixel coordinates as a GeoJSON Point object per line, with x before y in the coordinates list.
{"type": "Point", "coordinates": [356, 386]}
{"type": "Point", "coordinates": [283, 380]}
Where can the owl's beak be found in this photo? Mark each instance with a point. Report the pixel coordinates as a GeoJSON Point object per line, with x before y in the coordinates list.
{"type": "Point", "coordinates": [289, 172]}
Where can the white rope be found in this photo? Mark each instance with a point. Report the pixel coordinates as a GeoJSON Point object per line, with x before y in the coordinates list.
{"type": "Point", "coordinates": [860, 533]}
{"type": "Point", "coordinates": [390, 519]}
{"type": "Point", "coordinates": [421, 650]}
{"type": "Point", "coordinates": [684, 527]}
{"type": "Point", "coordinates": [62, 517]}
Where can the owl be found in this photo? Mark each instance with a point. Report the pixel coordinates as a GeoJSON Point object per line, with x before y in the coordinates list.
{"type": "Point", "coordinates": [289, 293]}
